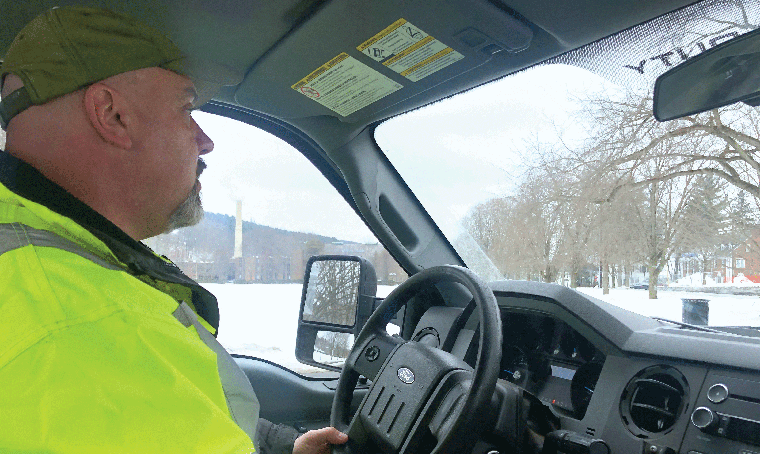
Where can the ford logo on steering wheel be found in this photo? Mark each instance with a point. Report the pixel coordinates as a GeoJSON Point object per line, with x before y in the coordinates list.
{"type": "Point", "coordinates": [406, 375]}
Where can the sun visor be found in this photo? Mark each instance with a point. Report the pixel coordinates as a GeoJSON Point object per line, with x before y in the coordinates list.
{"type": "Point", "coordinates": [398, 50]}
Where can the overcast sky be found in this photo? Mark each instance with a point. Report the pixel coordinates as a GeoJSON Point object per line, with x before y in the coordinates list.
{"type": "Point", "coordinates": [279, 187]}
{"type": "Point", "coordinates": [470, 148]}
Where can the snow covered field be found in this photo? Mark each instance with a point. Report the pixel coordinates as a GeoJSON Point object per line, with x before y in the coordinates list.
{"type": "Point", "coordinates": [261, 319]}
{"type": "Point", "coordinates": [725, 310]}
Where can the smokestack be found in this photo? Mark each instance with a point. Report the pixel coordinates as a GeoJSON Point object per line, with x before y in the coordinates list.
{"type": "Point", "coordinates": [239, 231]}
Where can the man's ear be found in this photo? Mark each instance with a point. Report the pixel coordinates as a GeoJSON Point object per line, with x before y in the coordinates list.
{"type": "Point", "coordinates": [108, 113]}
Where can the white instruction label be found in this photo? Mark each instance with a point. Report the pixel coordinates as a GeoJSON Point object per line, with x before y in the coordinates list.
{"type": "Point", "coordinates": [345, 85]}
{"type": "Point", "coordinates": [409, 51]}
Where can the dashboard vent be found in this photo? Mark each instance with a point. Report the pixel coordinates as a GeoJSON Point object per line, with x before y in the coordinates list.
{"type": "Point", "coordinates": [653, 401]}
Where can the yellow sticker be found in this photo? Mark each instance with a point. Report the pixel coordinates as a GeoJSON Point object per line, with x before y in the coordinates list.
{"type": "Point", "coordinates": [409, 51]}
{"type": "Point", "coordinates": [345, 85]}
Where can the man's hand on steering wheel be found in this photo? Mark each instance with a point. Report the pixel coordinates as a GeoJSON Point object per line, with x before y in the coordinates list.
{"type": "Point", "coordinates": [319, 441]}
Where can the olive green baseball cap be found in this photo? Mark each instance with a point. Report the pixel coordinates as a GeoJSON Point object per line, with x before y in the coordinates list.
{"type": "Point", "coordinates": [68, 48]}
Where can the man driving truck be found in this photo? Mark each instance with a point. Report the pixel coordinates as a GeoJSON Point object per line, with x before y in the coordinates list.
{"type": "Point", "coordinates": [108, 347]}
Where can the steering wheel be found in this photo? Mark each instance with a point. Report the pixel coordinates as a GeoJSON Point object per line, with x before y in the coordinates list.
{"type": "Point", "coordinates": [420, 396]}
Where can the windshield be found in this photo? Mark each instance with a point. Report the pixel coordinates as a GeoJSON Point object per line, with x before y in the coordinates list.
{"type": "Point", "coordinates": [561, 174]}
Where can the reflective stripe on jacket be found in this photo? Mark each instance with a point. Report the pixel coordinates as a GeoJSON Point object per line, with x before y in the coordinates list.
{"type": "Point", "coordinates": [93, 359]}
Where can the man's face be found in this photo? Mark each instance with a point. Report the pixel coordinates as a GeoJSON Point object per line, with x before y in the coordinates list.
{"type": "Point", "coordinates": [169, 143]}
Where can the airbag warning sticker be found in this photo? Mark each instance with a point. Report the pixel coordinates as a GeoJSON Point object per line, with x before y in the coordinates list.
{"type": "Point", "coordinates": [345, 85]}
{"type": "Point", "coordinates": [409, 51]}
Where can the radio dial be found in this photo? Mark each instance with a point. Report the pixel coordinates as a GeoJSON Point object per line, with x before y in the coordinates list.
{"type": "Point", "coordinates": [704, 419]}
{"type": "Point", "coordinates": [717, 393]}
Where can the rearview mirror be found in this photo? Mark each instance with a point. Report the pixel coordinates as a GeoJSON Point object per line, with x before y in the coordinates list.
{"type": "Point", "coordinates": [723, 75]}
{"type": "Point", "coordinates": [337, 299]}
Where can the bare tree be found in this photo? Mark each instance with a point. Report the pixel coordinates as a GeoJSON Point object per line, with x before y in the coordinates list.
{"type": "Point", "coordinates": [617, 230]}
{"type": "Point", "coordinates": [579, 224]}
{"type": "Point", "coordinates": [521, 233]}
{"type": "Point", "coordinates": [628, 141]}
{"type": "Point", "coordinates": [631, 150]}
{"type": "Point", "coordinates": [538, 218]}
{"type": "Point", "coordinates": [486, 224]}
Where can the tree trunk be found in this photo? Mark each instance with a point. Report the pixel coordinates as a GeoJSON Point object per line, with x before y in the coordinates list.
{"type": "Point", "coordinates": [654, 273]}
{"type": "Point", "coordinates": [574, 275]}
{"type": "Point", "coordinates": [574, 279]}
{"type": "Point", "coordinates": [613, 276]}
{"type": "Point", "coordinates": [678, 267]}
{"type": "Point", "coordinates": [548, 274]}
{"type": "Point", "coordinates": [605, 279]}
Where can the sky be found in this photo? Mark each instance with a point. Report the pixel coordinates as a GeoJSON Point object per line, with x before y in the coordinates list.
{"type": "Point", "coordinates": [278, 186]}
{"type": "Point", "coordinates": [473, 147]}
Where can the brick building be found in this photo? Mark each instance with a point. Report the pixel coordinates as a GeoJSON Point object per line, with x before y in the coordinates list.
{"type": "Point", "coordinates": [746, 260]}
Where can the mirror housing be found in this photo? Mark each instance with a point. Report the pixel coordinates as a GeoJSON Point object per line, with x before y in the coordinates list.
{"type": "Point", "coordinates": [723, 75]}
{"type": "Point", "coordinates": [338, 298]}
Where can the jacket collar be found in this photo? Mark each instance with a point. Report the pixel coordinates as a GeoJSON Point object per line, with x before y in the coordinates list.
{"type": "Point", "coordinates": [27, 182]}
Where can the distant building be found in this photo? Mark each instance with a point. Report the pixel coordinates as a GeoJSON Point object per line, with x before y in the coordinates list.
{"type": "Point", "coordinates": [226, 249]}
{"type": "Point", "coordinates": [201, 271]}
{"type": "Point", "coordinates": [271, 269]}
{"type": "Point", "coordinates": [291, 266]}
{"type": "Point", "coordinates": [746, 260]}
{"type": "Point", "coordinates": [719, 267]}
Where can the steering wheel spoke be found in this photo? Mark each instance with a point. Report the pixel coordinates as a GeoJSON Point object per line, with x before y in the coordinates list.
{"type": "Point", "coordinates": [449, 402]}
{"type": "Point", "coordinates": [368, 359]}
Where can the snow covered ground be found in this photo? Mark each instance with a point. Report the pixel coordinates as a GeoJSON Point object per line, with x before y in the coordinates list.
{"type": "Point", "coordinates": [725, 310]}
{"type": "Point", "coordinates": [261, 319]}
{"type": "Point", "coordinates": [696, 279]}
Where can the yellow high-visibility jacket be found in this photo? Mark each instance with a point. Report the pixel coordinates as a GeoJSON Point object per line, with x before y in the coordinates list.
{"type": "Point", "coordinates": [93, 358]}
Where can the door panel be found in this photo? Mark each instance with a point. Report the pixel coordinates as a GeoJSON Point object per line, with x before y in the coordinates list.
{"type": "Point", "coordinates": [289, 398]}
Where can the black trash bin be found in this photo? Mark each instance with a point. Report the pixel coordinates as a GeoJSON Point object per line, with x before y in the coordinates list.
{"type": "Point", "coordinates": [695, 311]}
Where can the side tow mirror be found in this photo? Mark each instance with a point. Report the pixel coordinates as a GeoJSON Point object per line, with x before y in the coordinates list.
{"type": "Point", "coordinates": [337, 299]}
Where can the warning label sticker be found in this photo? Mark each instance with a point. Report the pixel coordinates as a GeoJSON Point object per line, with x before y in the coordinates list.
{"type": "Point", "coordinates": [345, 85]}
{"type": "Point", "coordinates": [409, 51]}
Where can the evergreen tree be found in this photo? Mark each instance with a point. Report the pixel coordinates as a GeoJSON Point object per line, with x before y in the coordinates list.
{"type": "Point", "coordinates": [743, 217]}
{"type": "Point", "coordinates": [707, 221]}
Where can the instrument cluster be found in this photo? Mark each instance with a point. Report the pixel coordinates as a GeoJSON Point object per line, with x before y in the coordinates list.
{"type": "Point", "coordinates": [549, 359]}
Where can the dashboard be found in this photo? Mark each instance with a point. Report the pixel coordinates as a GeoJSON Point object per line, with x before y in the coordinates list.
{"type": "Point", "coordinates": [638, 384]}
